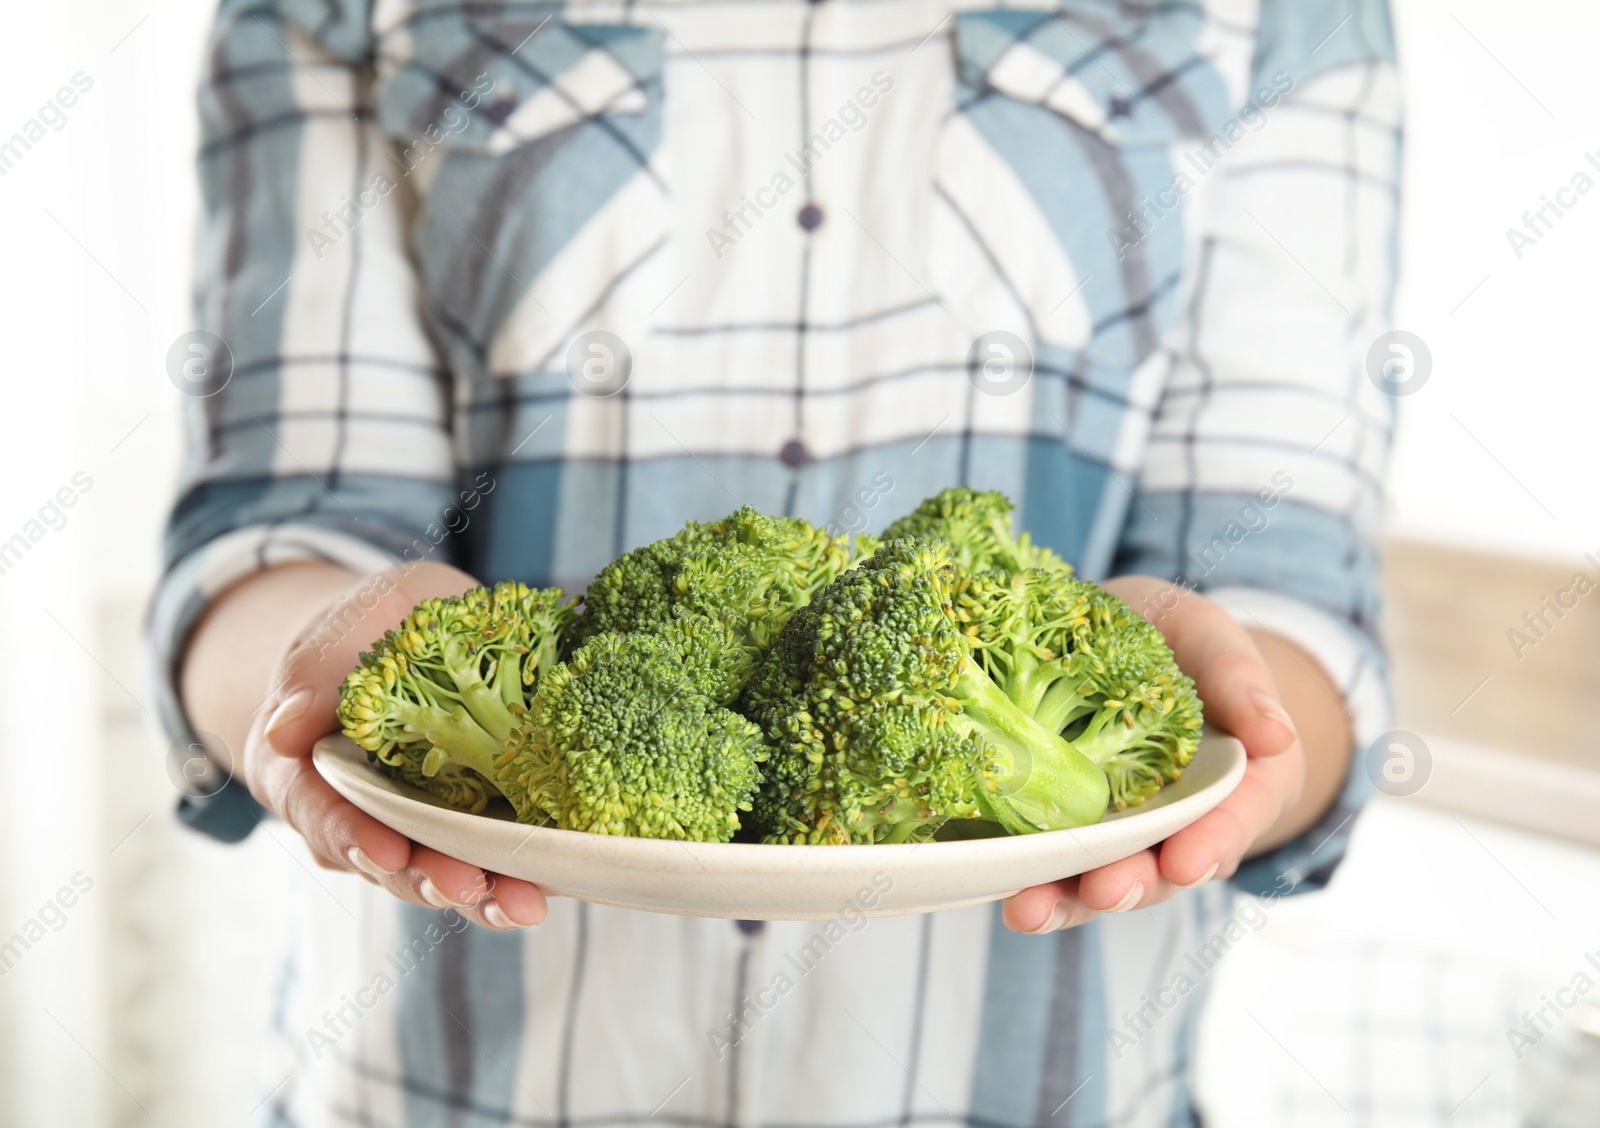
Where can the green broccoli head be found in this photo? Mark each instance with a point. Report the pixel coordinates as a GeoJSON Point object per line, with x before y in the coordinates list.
{"type": "Point", "coordinates": [745, 574]}
{"type": "Point", "coordinates": [1084, 664]}
{"type": "Point", "coordinates": [618, 740]}
{"type": "Point", "coordinates": [447, 686]}
{"type": "Point", "coordinates": [978, 527]}
{"type": "Point", "coordinates": [883, 725]}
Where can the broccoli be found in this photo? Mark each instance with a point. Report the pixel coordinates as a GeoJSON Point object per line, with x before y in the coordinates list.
{"type": "Point", "coordinates": [617, 740]}
{"type": "Point", "coordinates": [883, 723]}
{"type": "Point", "coordinates": [447, 686]}
{"type": "Point", "coordinates": [978, 529]}
{"type": "Point", "coordinates": [720, 590]}
{"type": "Point", "coordinates": [453, 785]}
{"type": "Point", "coordinates": [758, 664]}
{"type": "Point", "coordinates": [1084, 664]}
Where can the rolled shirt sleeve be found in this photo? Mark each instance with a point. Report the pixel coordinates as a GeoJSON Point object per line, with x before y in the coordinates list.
{"type": "Point", "coordinates": [1262, 485]}
{"type": "Point", "coordinates": [317, 417]}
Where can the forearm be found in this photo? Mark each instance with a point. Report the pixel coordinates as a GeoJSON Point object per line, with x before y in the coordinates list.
{"type": "Point", "coordinates": [237, 646]}
{"type": "Point", "coordinates": [251, 98]}
{"type": "Point", "coordinates": [1315, 704]}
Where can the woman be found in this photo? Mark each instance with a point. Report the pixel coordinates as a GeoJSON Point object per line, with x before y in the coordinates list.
{"type": "Point", "coordinates": [506, 290]}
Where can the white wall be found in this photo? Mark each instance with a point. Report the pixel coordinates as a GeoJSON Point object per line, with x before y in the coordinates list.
{"type": "Point", "coordinates": [1515, 364]}
{"type": "Point", "coordinates": [108, 1018]}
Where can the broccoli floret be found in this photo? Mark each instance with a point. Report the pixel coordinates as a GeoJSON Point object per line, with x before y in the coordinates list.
{"type": "Point", "coordinates": [450, 683]}
{"type": "Point", "coordinates": [744, 575]}
{"type": "Point", "coordinates": [617, 740]}
{"type": "Point", "coordinates": [977, 526]}
{"type": "Point", "coordinates": [1084, 664]}
{"type": "Point", "coordinates": [883, 724]}
{"type": "Point", "coordinates": [452, 784]}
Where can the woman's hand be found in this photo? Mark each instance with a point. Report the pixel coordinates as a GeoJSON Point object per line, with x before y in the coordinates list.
{"type": "Point", "coordinates": [276, 759]}
{"type": "Point", "coordinates": [1241, 696]}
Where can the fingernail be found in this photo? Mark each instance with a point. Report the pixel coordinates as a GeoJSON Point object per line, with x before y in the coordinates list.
{"type": "Point", "coordinates": [1203, 878]}
{"type": "Point", "coordinates": [363, 862]}
{"type": "Point", "coordinates": [1058, 917]}
{"type": "Point", "coordinates": [291, 707]}
{"type": "Point", "coordinates": [495, 915]}
{"type": "Point", "coordinates": [430, 893]}
{"type": "Point", "coordinates": [1270, 708]}
{"type": "Point", "coordinates": [1129, 899]}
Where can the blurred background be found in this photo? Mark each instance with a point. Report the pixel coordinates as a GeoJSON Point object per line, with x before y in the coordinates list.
{"type": "Point", "coordinates": [1460, 942]}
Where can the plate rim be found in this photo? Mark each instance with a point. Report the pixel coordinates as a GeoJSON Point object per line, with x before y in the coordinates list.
{"type": "Point", "coordinates": [340, 748]}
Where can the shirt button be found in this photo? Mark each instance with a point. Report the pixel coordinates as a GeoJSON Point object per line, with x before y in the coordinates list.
{"type": "Point", "coordinates": [794, 454]}
{"type": "Point", "coordinates": [810, 217]}
{"type": "Point", "coordinates": [497, 112]}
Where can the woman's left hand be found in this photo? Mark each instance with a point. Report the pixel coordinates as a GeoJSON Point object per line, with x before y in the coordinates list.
{"type": "Point", "coordinates": [1241, 697]}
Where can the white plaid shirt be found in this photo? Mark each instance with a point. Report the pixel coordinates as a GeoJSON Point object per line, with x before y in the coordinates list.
{"type": "Point", "coordinates": [521, 286]}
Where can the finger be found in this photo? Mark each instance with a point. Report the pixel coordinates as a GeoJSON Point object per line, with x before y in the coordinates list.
{"type": "Point", "coordinates": [335, 829]}
{"type": "Point", "coordinates": [331, 825]}
{"type": "Point", "coordinates": [1215, 843]}
{"type": "Point", "coordinates": [494, 900]}
{"type": "Point", "coordinates": [329, 864]}
{"type": "Point", "coordinates": [522, 901]}
{"type": "Point", "coordinates": [1134, 882]}
{"type": "Point", "coordinates": [307, 705]}
{"type": "Point", "coordinates": [1230, 676]}
{"type": "Point", "coordinates": [1232, 679]}
{"type": "Point", "coordinates": [1046, 908]}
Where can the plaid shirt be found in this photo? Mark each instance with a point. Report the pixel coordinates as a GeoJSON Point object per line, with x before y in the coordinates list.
{"type": "Point", "coordinates": [521, 286]}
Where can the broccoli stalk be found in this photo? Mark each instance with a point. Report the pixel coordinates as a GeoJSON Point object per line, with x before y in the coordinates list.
{"type": "Point", "coordinates": [1084, 664]}
{"type": "Point", "coordinates": [453, 679]}
{"type": "Point", "coordinates": [1041, 781]}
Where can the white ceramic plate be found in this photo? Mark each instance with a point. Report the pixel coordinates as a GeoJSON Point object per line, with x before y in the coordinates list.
{"type": "Point", "coordinates": [755, 882]}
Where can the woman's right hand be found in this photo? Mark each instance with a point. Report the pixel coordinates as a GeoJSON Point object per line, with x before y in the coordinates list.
{"type": "Point", "coordinates": [300, 709]}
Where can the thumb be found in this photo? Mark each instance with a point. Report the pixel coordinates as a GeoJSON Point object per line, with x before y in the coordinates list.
{"type": "Point", "coordinates": [303, 713]}
{"type": "Point", "coordinates": [1233, 680]}
{"type": "Point", "coordinates": [305, 705]}
{"type": "Point", "coordinates": [1238, 690]}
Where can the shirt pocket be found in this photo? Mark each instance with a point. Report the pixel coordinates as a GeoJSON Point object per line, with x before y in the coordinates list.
{"type": "Point", "coordinates": [493, 84]}
{"type": "Point", "coordinates": [1130, 80]}
{"type": "Point", "coordinates": [533, 141]}
{"type": "Point", "coordinates": [1066, 125]}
